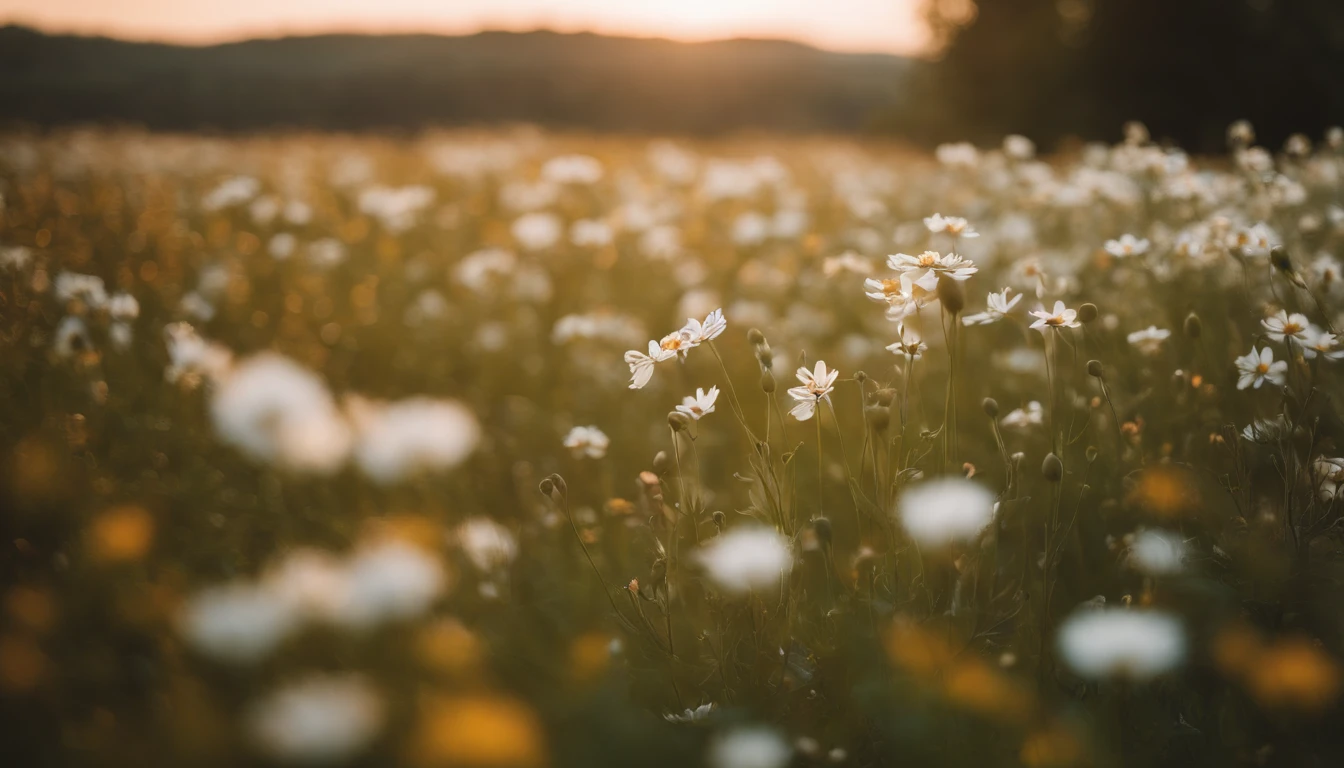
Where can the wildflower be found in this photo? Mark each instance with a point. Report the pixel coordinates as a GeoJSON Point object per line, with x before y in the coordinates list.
{"type": "Point", "coordinates": [1318, 342]}
{"type": "Point", "coordinates": [925, 269]}
{"type": "Point", "coordinates": [1283, 325]}
{"type": "Point", "coordinates": [702, 404]}
{"type": "Point", "coordinates": [1156, 552]}
{"type": "Point", "coordinates": [390, 581]}
{"type": "Point", "coordinates": [1329, 477]}
{"type": "Point", "coordinates": [700, 332]}
{"type": "Point", "coordinates": [848, 261]}
{"type": "Point", "coordinates": [817, 385]}
{"type": "Point", "coordinates": [1149, 341]}
{"type": "Point", "coordinates": [748, 558]}
{"type": "Point", "coordinates": [1138, 645]}
{"type": "Point", "coordinates": [749, 748]}
{"type": "Point", "coordinates": [486, 543]}
{"type": "Point", "coordinates": [192, 358]}
{"type": "Point", "coordinates": [587, 441]}
{"type": "Point", "coordinates": [1059, 317]}
{"type": "Point", "coordinates": [322, 718]}
{"type": "Point", "coordinates": [71, 337]}
{"type": "Point", "coordinates": [1127, 245]}
{"type": "Point", "coordinates": [641, 365]}
{"type": "Point", "coordinates": [696, 715]}
{"type": "Point", "coordinates": [998, 305]}
{"type": "Point", "coordinates": [909, 345]}
{"type": "Point", "coordinates": [1033, 415]}
{"type": "Point", "coordinates": [1266, 430]}
{"type": "Point", "coordinates": [88, 289]}
{"type": "Point", "coordinates": [940, 512]}
{"type": "Point", "coordinates": [537, 231]}
{"type": "Point", "coordinates": [123, 306]}
{"type": "Point", "coordinates": [1019, 147]}
{"type": "Point", "coordinates": [395, 441]}
{"type": "Point", "coordinates": [1258, 367]}
{"type": "Point", "coordinates": [238, 623]}
{"type": "Point", "coordinates": [952, 225]}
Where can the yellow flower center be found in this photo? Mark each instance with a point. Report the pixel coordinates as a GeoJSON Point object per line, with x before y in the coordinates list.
{"type": "Point", "coordinates": [1291, 328]}
{"type": "Point", "coordinates": [673, 343]}
{"type": "Point", "coordinates": [1262, 368]}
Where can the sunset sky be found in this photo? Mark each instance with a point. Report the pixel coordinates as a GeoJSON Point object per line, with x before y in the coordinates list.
{"type": "Point", "coordinates": [853, 25]}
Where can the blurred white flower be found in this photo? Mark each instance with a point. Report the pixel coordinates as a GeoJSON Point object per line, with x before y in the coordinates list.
{"type": "Point", "coordinates": [1033, 415]}
{"type": "Point", "coordinates": [1156, 552]}
{"type": "Point", "coordinates": [390, 581]}
{"type": "Point", "coordinates": [88, 289]}
{"type": "Point", "coordinates": [123, 306]}
{"type": "Point", "coordinates": [702, 404]}
{"type": "Point", "coordinates": [231, 192]}
{"type": "Point", "coordinates": [1127, 245]}
{"type": "Point", "coordinates": [1116, 643]}
{"type": "Point", "coordinates": [696, 715]}
{"type": "Point", "coordinates": [1329, 476]}
{"type": "Point", "coordinates": [537, 231]}
{"type": "Point", "coordinates": [1149, 341]}
{"type": "Point", "coordinates": [998, 305]}
{"type": "Point", "coordinates": [742, 559]}
{"type": "Point", "coordinates": [1257, 367]}
{"type": "Point", "coordinates": [318, 719]}
{"type": "Point", "coordinates": [1283, 325]}
{"type": "Point", "coordinates": [589, 442]}
{"type": "Point", "coordinates": [486, 543]}
{"type": "Point", "coordinates": [945, 510]}
{"type": "Point", "coordinates": [1019, 147]}
{"type": "Point", "coordinates": [909, 344]}
{"type": "Point", "coordinates": [394, 441]}
{"type": "Point", "coordinates": [192, 358]}
{"type": "Point", "coordinates": [239, 623]}
{"type": "Point", "coordinates": [572, 169]}
{"type": "Point", "coordinates": [749, 748]}
{"type": "Point", "coordinates": [849, 261]}
{"type": "Point", "coordinates": [480, 269]}
{"type": "Point", "coordinates": [591, 233]}
{"type": "Point", "coordinates": [960, 155]}
{"type": "Point", "coordinates": [282, 246]}
{"type": "Point", "coordinates": [71, 337]}
{"type": "Point", "coordinates": [950, 225]}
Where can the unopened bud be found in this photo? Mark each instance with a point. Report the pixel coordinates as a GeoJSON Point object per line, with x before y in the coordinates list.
{"type": "Point", "coordinates": [951, 294]}
{"type": "Point", "coordinates": [678, 421]}
{"type": "Point", "coordinates": [822, 526]}
{"type": "Point", "coordinates": [1094, 369]}
{"type": "Point", "coordinates": [1091, 453]}
{"type": "Point", "coordinates": [719, 518]}
{"type": "Point", "coordinates": [1278, 256]}
{"type": "Point", "coordinates": [1194, 327]}
{"type": "Point", "coordinates": [991, 407]}
{"type": "Point", "coordinates": [767, 382]}
{"type": "Point", "coordinates": [661, 464]}
{"type": "Point", "coordinates": [560, 487]}
{"type": "Point", "coordinates": [1052, 468]}
{"type": "Point", "coordinates": [860, 376]}
{"type": "Point", "coordinates": [547, 486]}
{"type": "Point", "coordinates": [755, 336]}
{"type": "Point", "coordinates": [765, 356]}
{"type": "Point", "coordinates": [1087, 313]}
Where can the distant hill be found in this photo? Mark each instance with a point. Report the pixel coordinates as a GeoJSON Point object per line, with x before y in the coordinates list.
{"type": "Point", "coordinates": [395, 82]}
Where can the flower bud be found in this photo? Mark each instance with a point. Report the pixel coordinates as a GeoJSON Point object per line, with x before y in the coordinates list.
{"type": "Point", "coordinates": [755, 336]}
{"type": "Point", "coordinates": [1052, 468]}
{"type": "Point", "coordinates": [879, 417]}
{"type": "Point", "coordinates": [1091, 453]}
{"type": "Point", "coordinates": [767, 382]}
{"type": "Point", "coordinates": [1094, 369]}
{"type": "Point", "coordinates": [1278, 256]}
{"type": "Point", "coordinates": [765, 356]}
{"type": "Point", "coordinates": [1194, 327]}
{"type": "Point", "coordinates": [661, 464]}
{"type": "Point", "coordinates": [719, 519]}
{"type": "Point", "coordinates": [1087, 313]}
{"type": "Point", "coordinates": [951, 294]}
{"type": "Point", "coordinates": [860, 376]}
{"type": "Point", "coordinates": [678, 421]}
{"type": "Point", "coordinates": [547, 486]}
{"type": "Point", "coordinates": [560, 487]}
{"type": "Point", "coordinates": [991, 407]}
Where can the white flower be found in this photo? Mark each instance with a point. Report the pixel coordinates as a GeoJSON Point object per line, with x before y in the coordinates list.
{"type": "Point", "coordinates": [1283, 325]}
{"type": "Point", "coordinates": [86, 288]}
{"type": "Point", "coordinates": [641, 365]}
{"type": "Point", "coordinates": [237, 623]}
{"type": "Point", "coordinates": [1132, 644]}
{"type": "Point", "coordinates": [848, 261]}
{"type": "Point", "coordinates": [274, 410]}
{"type": "Point", "coordinates": [1149, 341]}
{"type": "Point", "coordinates": [319, 719]}
{"type": "Point", "coordinates": [486, 543]}
{"type": "Point", "coordinates": [998, 305]}
{"type": "Point", "coordinates": [746, 558]}
{"type": "Point", "coordinates": [1059, 317]}
{"type": "Point", "coordinates": [1258, 367]}
{"type": "Point", "coordinates": [1033, 415]}
{"type": "Point", "coordinates": [924, 270]}
{"type": "Point", "coordinates": [1127, 245]}
{"type": "Point", "coordinates": [591, 233]}
{"type": "Point", "coordinates": [390, 581]}
{"type": "Point", "coordinates": [749, 748]}
{"type": "Point", "coordinates": [1330, 476]}
{"type": "Point", "coordinates": [394, 441]}
{"type": "Point", "coordinates": [1157, 552]}
{"type": "Point", "coordinates": [192, 358]}
{"type": "Point", "coordinates": [946, 510]}
{"type": "Point", "coordinates": [700, 332]}
{"type": "Point", "coordinates": [572, 169]}
{"type": "Point", "coordinates": [1266, 430]}
{"type": "Point", "coordinates": [587, 441]}
{"type": "Point", "coordinates": [696, 715]}
{"type": "Point", "coordinates": [909, 345]}
{"type": "Point", "coordinates": [817, 384]}
{"type": "Point", "coordinates": [952, 225]}
{"type": "Point", "coordinates": [1019, 147]}
{"type": "Point", "coordinates": [312, 584]}
{"type": "Point", "coordinates": [537, 231]}
{"type": "Point", "coordinates": [123, 306]}
{"type": "Point", "coordinates": [702, 404]}
{"type": "Point", "coordinates": [71, 337]}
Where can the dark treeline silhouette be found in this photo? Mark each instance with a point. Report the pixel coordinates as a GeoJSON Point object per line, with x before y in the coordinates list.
{"type": "Point", "coordinates": [1187, 68]}
{"type": "Point", "coordinates": [407, 82]}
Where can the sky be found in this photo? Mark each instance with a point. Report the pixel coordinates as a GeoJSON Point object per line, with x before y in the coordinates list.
{"type": "Point", "coordinates": [891, 26]}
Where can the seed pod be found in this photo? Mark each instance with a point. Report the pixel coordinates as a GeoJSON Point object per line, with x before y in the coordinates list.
{"type": "Point", "coordinates": [1052, 468]}
{"type": "Point", "coordinates": [678, 421]}
{"type": "Point", "coordinates": [1194, 327]}
{"type": "Point", "coordinates": [1087, 313]}
{"type": "Point", "coordinates": [1094, 369]}
{"type": "Point", "coordinates": [879, 417]}
{"type": "Point", "coordinates": [767, 382]}
{"type": "Point", "coordinates": [822, 526]}
{"type": "Point", "coordinates": [755, 336]}
{"type": "Point", "coordinates": [661, 464]}
{"type": "Point", "coordinates": [951, 294]}
{"type": "Point", "coordinates": [991, 407]}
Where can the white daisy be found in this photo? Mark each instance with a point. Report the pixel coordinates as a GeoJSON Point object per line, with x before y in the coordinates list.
{"type": "Point", "coordinates": [1257, 367]}
{"type": "Point", "coordinates": [952, 225]}
{"type": "Point", "coordinates": [589, 442]}
{"type": "Point", "coordinates": [641, 364]}
{"type": "Point", "coordinates": [998, 305]}
{"type": "Point", "coordinates": [1282, 325]}
{"type": "Point", "coordinates": [924, 270]}
{"type": "Point", "coordinates": [1319, 342]}
{"type": "Point", "coordinates": [1059, 317]}
{"type": "Point", "coordinates": [702, 404]}
{"type": "Point", "coordinates": [1127, 245]}
{"type": "Point", "coordinates": [817, 385]}
{"type": "Point", "coordinates": [1149, 341]}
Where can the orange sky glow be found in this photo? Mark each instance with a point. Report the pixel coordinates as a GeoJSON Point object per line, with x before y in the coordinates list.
{"type": "Point", "coordinates": [891, 26]}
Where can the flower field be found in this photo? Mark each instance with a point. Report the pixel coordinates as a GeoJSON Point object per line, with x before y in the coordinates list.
{"type": "Point", "coordinates": [512, 449]}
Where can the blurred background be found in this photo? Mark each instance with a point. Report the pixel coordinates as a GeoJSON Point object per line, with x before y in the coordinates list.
{"type": "Point", "coordinates": [920, 70]}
